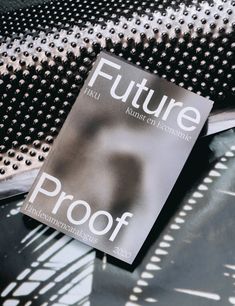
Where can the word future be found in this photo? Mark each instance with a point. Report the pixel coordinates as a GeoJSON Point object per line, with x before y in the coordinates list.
{"type": "Point", "coordinates": [187, 117]}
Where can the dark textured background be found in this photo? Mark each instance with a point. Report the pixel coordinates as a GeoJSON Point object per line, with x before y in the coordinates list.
{"type": "Point", "coordinates": [9, 5]}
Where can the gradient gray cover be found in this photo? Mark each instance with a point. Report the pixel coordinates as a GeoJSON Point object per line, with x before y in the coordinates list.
{"type": "Point", "coordinates": [116, 158]}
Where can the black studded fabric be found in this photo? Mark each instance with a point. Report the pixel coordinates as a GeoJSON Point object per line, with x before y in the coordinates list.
{"type": "Point", "coordinates": [47, 50]}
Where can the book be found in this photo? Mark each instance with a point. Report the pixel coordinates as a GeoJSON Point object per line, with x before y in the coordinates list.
{"type": "Point", "coordinates": [117, 157]}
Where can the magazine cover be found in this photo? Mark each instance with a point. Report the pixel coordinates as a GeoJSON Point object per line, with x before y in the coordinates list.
{"type": "Point", "coordinates": [117, 157]}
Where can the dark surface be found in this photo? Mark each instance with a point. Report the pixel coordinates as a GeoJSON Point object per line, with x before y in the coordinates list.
{"type": "Point", "coordinates": [11, 5]}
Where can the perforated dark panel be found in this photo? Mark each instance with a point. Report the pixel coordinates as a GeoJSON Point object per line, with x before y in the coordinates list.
{"type": "Point", "coordinates": [47, 51]}
{"type": "Point", "coordinates": [11, 5]}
